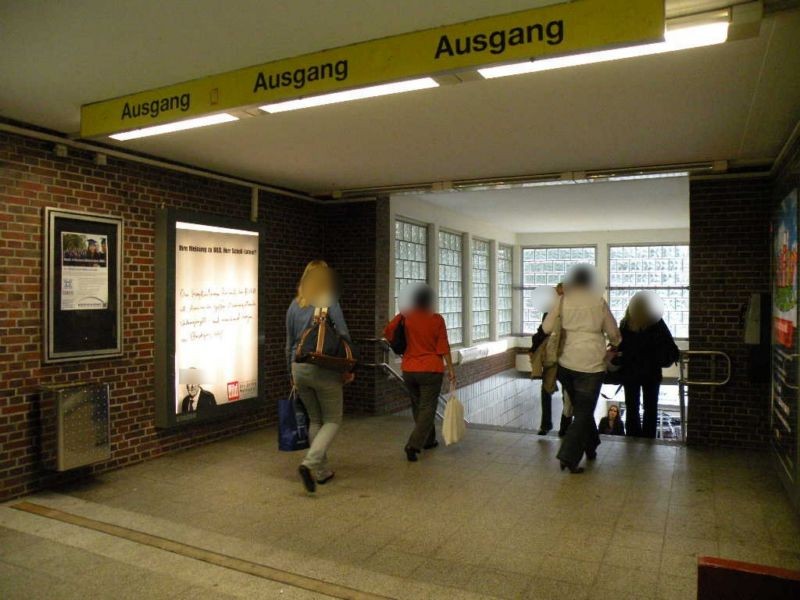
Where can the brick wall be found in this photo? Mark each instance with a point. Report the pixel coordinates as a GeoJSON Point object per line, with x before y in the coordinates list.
{"type": "Point", "coordinates": [31, 178]}
{"type": "Point", "coordinates": [729, 245]}
{"type": "Point", "coordinates": [349, 247]}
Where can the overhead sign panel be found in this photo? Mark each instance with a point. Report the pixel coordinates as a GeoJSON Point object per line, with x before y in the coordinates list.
{"type": "Point", "coordinates": [552, 30]}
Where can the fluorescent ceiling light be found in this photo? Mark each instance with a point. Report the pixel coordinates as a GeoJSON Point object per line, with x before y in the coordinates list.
{"type": "Point", "coordinates": [213, 228]}
{"type": "Point", "coordinates": [683, 38]}
{"type": "Point", "coordinates": [179, 126]}
{"type": "Point", "coordinates": [348, 95]}
{"type": "Point", "coordinates": [666, 175]}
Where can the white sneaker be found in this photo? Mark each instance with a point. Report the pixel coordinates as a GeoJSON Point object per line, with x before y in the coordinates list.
{"type": "Point", "coordinates": [323, 476]}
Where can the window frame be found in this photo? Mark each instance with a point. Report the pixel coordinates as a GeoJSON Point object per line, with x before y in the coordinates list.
{"type": "Point", "coordinates": [416, 223]}
{"type": "Point", "coordinates": [496, 289]}
{"type": "Point", "coordinates": [462, 235]}
{"type": "Point", "coordinates": [524, 287]}
{"type": "Point", "coordinates": [609, 287]}
{"type": "Point", "coordinates": [491, 296]}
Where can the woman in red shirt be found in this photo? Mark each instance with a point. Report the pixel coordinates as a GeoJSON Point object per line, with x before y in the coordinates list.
{"type": "Point", "coordinates": [423, 369]}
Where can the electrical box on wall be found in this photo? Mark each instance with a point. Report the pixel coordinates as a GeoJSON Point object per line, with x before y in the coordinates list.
{"type": "Point", "coordinates": [75, 425]}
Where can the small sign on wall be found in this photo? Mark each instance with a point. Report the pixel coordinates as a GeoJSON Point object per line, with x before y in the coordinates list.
{"type": "Point", "coordinates": [83, 284]}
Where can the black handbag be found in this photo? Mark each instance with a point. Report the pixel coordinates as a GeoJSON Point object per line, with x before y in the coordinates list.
{"type": "Point", "coordinates": [321, 345]}
{"type": "Point", "coordinates": [398, 343]}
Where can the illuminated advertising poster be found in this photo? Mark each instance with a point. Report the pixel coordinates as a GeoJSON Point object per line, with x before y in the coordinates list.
{"type": "Point", "coordinates": [216, 318]}
{"type": "Point", "coordinates": [84, 271]}
{"type": "Point", "coordinates": [784, 334]}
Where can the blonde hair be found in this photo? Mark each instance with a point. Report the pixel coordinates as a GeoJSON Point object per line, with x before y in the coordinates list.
{"type": "Point", "coordinates": [312, 266]}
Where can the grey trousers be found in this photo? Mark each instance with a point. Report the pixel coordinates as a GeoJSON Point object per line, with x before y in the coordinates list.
{"type": "Point", "coordinates": [425, 389]}
{"type": "Point", "coordinates": [582, 436]}
{"type": "Point", "coordinates": [321, 392]}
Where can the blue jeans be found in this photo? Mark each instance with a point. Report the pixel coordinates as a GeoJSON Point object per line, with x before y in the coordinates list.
{"type": "Point", "coordinates": [582, 436]}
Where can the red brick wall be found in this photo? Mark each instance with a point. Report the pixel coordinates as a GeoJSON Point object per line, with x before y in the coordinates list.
{"type": "Point", "coordinates": [729, 246]}
{"type": "Point", "coordinates": [31, 178]}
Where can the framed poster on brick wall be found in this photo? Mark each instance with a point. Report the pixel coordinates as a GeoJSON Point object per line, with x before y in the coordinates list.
{"type": "Point", "coordinates": [209, 329]}
{"type": "Point", "coordinates": [83, 285]}
{"type": "Point", "coordinates": [784, 418]}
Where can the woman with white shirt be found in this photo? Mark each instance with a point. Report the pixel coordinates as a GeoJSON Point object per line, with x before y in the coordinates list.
{"type": "Point", "coordinates": [585, 322]}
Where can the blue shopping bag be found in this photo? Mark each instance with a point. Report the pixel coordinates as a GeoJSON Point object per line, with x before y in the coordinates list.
{"type": "Point", "coordinates": [292, 423]}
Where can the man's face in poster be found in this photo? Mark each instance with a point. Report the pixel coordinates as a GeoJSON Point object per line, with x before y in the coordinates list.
{"type": "Point", "coordinates": [192, 389]}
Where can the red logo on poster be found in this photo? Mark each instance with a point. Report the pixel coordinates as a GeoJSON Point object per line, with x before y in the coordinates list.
{"type": "Point", "coordinates": [233, 391]}
{"type": "Point", "coordinates": [784, 332]}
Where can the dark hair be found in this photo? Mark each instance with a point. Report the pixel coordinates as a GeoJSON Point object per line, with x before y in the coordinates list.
{"type": "Point", "coordinates": [581, 276]}
{"type": "Point", "coordinates": [423, 298]}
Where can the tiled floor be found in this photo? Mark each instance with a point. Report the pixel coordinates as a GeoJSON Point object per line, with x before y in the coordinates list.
{"type": "Point", "coordinates": [491, 517]}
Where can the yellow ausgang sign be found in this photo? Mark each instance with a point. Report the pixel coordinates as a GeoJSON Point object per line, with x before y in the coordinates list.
{"type": "Point", "coordinates": [551, 30]}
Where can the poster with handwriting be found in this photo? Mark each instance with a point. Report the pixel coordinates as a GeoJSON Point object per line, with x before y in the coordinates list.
{"type": "Point", "coordinates": [216, 317]}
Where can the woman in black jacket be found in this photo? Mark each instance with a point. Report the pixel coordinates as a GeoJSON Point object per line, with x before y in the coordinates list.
{"type": "Point", "coordinates": [647, 347]}
{"type": "Point", "coordinates": [612, 423]}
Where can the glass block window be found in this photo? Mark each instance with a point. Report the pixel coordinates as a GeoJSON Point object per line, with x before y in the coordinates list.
{"type": "Point", "coordinates": [547, 266]}
{"type": "Point", "coordinates": [481, 296]}
{"type": "Point", "coordinates": [662, 269]}
{"type": "Point", "coordinates": [505, 276]}
{"type": "Point", "coordinates": [451, 292]}
{"type": "Point", "coordinates": [410, 255]}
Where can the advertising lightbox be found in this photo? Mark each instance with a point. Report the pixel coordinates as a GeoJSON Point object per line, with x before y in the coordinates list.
{"type": "Point", "coordinates": [208, 325]}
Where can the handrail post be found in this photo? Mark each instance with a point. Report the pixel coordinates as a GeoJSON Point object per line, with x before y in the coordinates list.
{"type": "Point", "coordinates": [683, 380]}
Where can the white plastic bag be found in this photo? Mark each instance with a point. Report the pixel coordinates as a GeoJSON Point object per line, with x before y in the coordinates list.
{"type": "Point", "coordinates": [453, 425]}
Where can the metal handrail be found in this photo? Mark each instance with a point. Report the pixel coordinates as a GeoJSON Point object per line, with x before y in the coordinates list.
{"type": "Point", "coordinates": [683, 381]}
{"type": "Point", "coordinates": [686, 354]}
{"type": "Point", "coordinates": [393, 373]}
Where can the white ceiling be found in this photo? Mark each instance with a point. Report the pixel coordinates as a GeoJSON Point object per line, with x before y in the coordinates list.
{"type": "Point", "coordinates": [599, 206]}
{"type": "Point", "coordinates": [736, 101]}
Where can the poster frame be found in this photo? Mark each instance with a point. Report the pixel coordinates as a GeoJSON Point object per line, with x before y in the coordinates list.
{"type": "Point", "coordinates": [164, 321]}
{"type": "Point", "coordinates": [788, 478]}
{"type": "Point", "coordinates": [53, 271]}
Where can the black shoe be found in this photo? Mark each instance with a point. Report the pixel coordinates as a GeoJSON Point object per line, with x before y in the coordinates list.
{"type": "Point", "coordinates": [325, 480]}
{"type": "Point", "coordinates": [432, 445]}
{"type": "Point", "coordinates": [544, 431]}
{"type": "Point", "coordinates": [411, 454]}
{"type": "Point", "coordinates": [574, 469]}
{"type": "Point", "coordinates": [307, 479]}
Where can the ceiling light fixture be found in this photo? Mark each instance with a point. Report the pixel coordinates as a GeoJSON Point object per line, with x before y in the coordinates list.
{"type": "Point", "coordinates": [171, 127]}
{"type": "Point", "coordinates": [680, 38]}
{"type": "Point", "coordinates": [358, 94]}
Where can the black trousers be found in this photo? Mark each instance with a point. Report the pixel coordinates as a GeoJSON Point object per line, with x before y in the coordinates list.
{"type": "Point", "coordinates": [582, 436]}
{"type": "Point", "coordinates": [425, 389]}
{"type": "Point", "coordinates": [646, 426]}
{"type": "Point", "coordinates": [547, 410]}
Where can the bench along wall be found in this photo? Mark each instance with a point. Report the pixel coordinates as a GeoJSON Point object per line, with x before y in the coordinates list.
{"type": "Point", "coordinates": [31, 178]}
